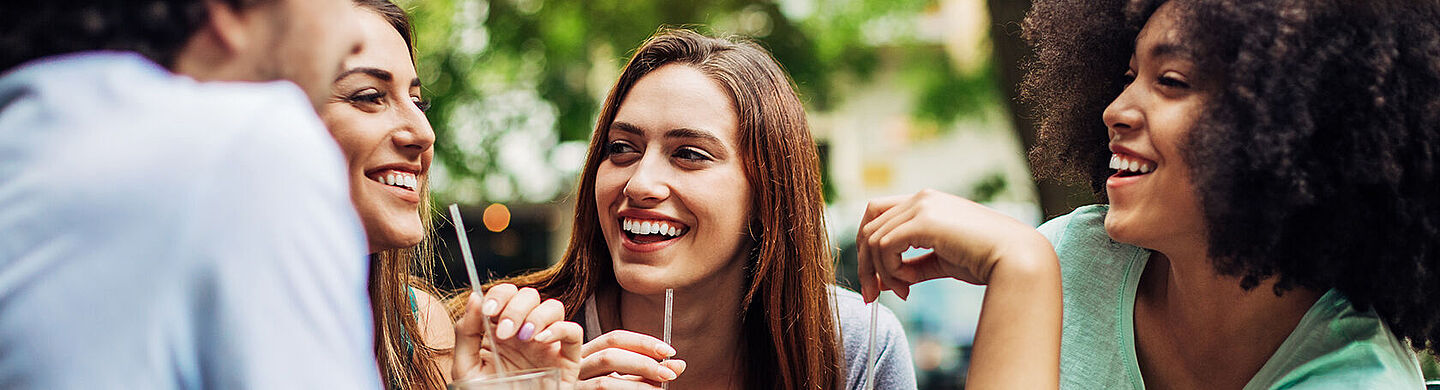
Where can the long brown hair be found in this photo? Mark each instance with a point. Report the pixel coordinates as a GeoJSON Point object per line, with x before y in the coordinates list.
{"type": "Point", "coordinates": [405, 361]}
{"type": "Point", "coordinates": [787, 315]}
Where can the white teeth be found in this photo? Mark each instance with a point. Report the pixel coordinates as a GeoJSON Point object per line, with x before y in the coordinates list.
{"type": "Point", "coordinates": [650, 227]}
{"type": "Point", "coordinates": [410, 181]}
{"type": "Point", "coordinates": [1119, 162]}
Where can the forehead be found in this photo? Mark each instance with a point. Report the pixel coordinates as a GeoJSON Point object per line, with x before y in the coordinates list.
{"type": "Point", "coordinates": [382, 46]}
{"type": "Point", "coordinates": [679, 96]}
{"type": "Point", "coordinates": [1161, 35]}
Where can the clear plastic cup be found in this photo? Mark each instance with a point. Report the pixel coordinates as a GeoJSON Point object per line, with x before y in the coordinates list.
{"type": "Point", "coordinates": [537, 379]}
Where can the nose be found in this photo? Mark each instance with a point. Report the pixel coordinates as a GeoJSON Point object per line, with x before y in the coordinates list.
{"type": "Point", "coordinates": [415, 132]}
{"type": "Point", "coordinates": [648, 185]}
{"type": "Point", "coordinates": [1124, 114]}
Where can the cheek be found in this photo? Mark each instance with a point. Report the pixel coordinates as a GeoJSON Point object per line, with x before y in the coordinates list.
{"type": "Point", "coordinates": [609, 183]}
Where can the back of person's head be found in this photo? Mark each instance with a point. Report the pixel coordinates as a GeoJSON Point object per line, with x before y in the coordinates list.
{"type": "Point", "coordinates": [157, 29]}
{"type": "Point", "coordinates": [303, 41]}
{"type": "Point", "coordinates": [1316, 154]}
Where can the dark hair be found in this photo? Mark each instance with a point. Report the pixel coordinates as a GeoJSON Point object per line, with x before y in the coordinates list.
{"type": "Point", "coordinates": [1315, 156]}
{"type": "Point", "coordinates": [157, 29]}
{"type": "Point", "coordinates": [406, 360]}
{"type": "Point", "coordinates": [787, 317]}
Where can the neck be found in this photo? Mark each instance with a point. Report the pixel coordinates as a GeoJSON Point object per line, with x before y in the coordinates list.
{"type": "Point", "coordinates": [705, 327]}
{"type": "Point", "coordinates": [1221, 329]}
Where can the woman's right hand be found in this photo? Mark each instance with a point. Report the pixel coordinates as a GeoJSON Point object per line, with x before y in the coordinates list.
{"type": "Point", "coordinates": [1017, 340]}
{"type": "Point", "coordinates": [529, 332]}
{"type": "Point", "coordinates": [627, 360]}
{"type": "Point", "coordinates": [969, 242]}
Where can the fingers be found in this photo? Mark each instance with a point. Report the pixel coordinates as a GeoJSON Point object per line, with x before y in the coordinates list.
{"type": "Point", "coordinates": [631, 341]}
{"type": "Point", "coordinates": [615, 383]}
{"type": "Point", "coordinates": [570, 336]}
{"type": "Point", "coordinates": [616, 360]}
{"type": "Point", "coordinates": [880, 244]}
{"type": "Point", "coordinates": [496, 297]}
{"type": "Point", "coordinates": [512, 317]}
{"type": "Point", "coordinates": [548, 312]}
{"type": "Point", "coordinates": [468, 335]}
{"type": "Point", "coordinates": [871, 281]}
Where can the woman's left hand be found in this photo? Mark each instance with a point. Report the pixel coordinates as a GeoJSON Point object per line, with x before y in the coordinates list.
{"type": "Point", "coordinates": [529, 333]}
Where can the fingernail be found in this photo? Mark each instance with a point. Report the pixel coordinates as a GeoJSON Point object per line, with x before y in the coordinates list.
{"type": "Point", "coordinates": [490, 307]}
{"type": "Point", "coordinates": [543, 337]}
{"type": "Point", "coordinates": [665, 373]}
{"type": "Point", "coordinates": [506, 329]}
{"type": "Point", "coordinates": [526, 331]}
{"type": "Point", "coordinates": [664, 350]}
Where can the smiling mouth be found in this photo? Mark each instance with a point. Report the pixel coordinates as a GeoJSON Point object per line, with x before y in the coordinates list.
{"type": "Point", "coordinates": [1127, 166]}
{"type": "Point", "coordinates": [645, 231]}
{"type": "Point", "coordinates": [396, 178]}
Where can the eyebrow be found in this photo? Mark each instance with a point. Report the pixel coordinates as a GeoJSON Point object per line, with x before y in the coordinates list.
{"type": "Point", "coordinates": [682, 132]}
{"type": "Point", "coordinates": [378, 73]}
{"type": "Point", "coordinates": [381, 74]}
{"type": "Point", "coordinates": [1167, 49]}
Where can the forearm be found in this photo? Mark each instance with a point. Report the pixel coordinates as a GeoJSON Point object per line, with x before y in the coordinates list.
{"type": "Point", "coordinates": [1017, 343]}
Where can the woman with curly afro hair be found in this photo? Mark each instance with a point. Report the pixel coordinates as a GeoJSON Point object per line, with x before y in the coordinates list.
{"type": "Point", "coordinates": [1269, 169]}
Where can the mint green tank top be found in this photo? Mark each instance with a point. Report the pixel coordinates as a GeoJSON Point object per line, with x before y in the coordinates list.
{"type": "Point", "coordinates": [1333, 347]}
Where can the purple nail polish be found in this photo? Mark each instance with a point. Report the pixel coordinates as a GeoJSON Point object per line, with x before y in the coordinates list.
{"type": "Point", "coordinates": [527, 331]}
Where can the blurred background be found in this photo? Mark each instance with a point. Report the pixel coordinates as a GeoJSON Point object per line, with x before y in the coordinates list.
{"type": "Point", "coordinates": [902, 95]}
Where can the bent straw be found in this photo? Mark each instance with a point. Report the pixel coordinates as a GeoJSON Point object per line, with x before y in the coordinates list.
{"type": "Point", "coordinates": [870, 357]}
{"type": "Point", "coordinates": [669, 304]}
{"type": "Point", "coordinates": [475, 286]}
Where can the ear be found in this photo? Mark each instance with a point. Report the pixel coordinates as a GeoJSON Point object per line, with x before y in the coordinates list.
{"type": "Point", "coordinates": [227, 27]}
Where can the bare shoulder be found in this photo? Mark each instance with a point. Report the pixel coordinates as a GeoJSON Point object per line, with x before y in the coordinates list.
{"type": "Point", "coordinates": [434, 320]}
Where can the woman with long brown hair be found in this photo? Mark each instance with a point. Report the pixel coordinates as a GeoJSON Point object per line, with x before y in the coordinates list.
{"type": "Point", "coordinates": [702, 177]}
{"type": "Point", "coordinates": [376, 115]}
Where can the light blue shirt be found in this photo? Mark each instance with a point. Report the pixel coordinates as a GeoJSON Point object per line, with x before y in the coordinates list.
{"type": "Point", "coordinates": [161, 233]}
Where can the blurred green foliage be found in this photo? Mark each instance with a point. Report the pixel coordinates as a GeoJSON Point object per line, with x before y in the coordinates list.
{"type": "Point", "coordinates": [516, 84]}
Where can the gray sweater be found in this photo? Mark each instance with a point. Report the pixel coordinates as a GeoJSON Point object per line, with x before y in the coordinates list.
{"type": "Point", "coordinates": [893, 370]}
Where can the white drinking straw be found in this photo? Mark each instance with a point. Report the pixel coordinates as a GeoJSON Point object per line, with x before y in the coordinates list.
{"type": "Point", "coordinates": [475, 286]}
{"type": "Point", "coordinates": [870, 357]}
{"type": "Point", "coordinates": [669, 305]}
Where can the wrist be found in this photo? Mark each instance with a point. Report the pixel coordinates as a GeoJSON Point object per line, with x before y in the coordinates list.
{"type": "Point", "coordinates": [1027, 257]}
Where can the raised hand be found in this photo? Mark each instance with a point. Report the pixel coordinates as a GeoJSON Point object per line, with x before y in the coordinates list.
{"type": "Point", "coordinates": [627, 360]}
{"type": "Point", "coordinates": [529, 333]}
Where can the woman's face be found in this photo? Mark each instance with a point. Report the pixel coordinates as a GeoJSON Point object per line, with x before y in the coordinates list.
{"type": "Point", "coordinates": [374, 112]}
{"type": "Point", "coordinates": [671, 191]}
{"type": "Point", "coordinates": [1153, 203]}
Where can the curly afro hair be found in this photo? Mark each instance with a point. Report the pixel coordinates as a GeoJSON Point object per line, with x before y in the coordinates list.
{"type": "Point", "coordinates": [1315, 156]}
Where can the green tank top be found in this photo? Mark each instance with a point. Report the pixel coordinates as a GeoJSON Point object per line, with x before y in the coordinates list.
{"type": "Point", "coordinates": [1333, 347]}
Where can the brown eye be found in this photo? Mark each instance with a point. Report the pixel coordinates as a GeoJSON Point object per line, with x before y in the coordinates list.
{"type": "Point", "coordinates": [1173, 82]}
{"type": "Point", "coordinates": [690, 154]}
{"type": "Point", "coordinates": [621, 152]}
{"type": "Point", "coordinates": [366, 96]}
{"type": "Point", "coordinates": [422, 104]}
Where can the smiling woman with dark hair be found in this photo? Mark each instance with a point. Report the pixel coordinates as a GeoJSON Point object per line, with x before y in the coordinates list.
{"type": "Point", "coordinates": [1269, 168]}
{"type": "Point", "coordinates": [376, 114]}
{"type": "Point", "coordinates": [702, 177]}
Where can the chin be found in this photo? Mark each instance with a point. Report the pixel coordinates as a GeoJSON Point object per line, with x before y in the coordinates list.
{"type": "Point", "coordinates": [639, 278]}
{"type": "Point", "coordinates": [394, 240]}
{"type": "Point", "coordinates": [1121, 229]}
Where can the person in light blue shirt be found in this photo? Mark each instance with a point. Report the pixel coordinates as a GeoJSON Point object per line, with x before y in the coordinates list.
{"type": "Point", "coordinates": [161, 232]}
